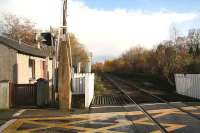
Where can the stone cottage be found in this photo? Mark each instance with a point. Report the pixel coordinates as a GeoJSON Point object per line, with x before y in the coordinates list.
{"type": "Point", "coordinates": [23, 64]}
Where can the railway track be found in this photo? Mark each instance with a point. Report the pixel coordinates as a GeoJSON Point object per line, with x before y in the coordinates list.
{"type": "Point", "coordinates": [131, 94]}
{"type": "Point", "coordinates": [157, 97]}
{"type": "Point", "coordinates": [126, 89]}
{"type": "Point", "coordinates": [159, 126]}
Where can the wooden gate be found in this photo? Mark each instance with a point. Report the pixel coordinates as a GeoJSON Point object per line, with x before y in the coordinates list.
{"type": "Point", "coordinates": [25, 94]}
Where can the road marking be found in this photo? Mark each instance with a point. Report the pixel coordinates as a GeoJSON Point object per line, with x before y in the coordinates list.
{"type": "Point", "coordinates": [111, 120]}
{"type": "Point", "coordinates": [7, 124]}
{"type": "Point", "coordinates": [19, 113]}
{"type": "Point", "coordinates": [10, 122]}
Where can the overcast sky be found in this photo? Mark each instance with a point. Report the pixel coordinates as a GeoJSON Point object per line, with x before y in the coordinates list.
{"type": "Point", "coordinates": [109, 27]}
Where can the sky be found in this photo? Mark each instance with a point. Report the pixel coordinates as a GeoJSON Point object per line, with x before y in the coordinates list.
{"type": "Point", "coordinates": [109, 27]}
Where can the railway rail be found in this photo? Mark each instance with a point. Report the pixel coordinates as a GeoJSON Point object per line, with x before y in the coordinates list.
{"type": "Point", "coordinates": [161, 128]}
{"type": "Point", "coordinates": [126, 98]}
{"type": "Point", "coordinates": [157, 97]}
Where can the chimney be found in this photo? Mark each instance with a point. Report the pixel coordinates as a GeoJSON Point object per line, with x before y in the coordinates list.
{"type": "Point", "coordinates": [38, 40]}
{"type": "Point", "coordinates": [20, 41]}
{"type": "Point", "coordinates": [39, 45]}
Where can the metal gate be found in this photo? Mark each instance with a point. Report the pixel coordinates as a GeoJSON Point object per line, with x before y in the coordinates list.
{"type": "Point", "coordinates": [25, 94]}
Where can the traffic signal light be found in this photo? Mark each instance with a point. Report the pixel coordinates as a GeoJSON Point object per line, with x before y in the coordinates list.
{"type": "Point", "coordinates": [47, 38]}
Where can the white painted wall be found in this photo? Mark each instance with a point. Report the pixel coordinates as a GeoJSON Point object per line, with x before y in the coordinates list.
{"type": "Point", "coordinates": [188, 84]}
{"type": "Point", "coordinates": [38, 67]}
{"type": "Point", "coordinates": [50, 69]}
{"type": "Point", "coordinates": [4, 95]}
{"type": "Point", "coordinates": [23, 75]}
{"type": "Point", "coordinates": [22, 69]}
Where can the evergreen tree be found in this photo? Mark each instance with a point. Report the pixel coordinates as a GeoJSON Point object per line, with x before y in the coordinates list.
{"type": "Point", "coordinates": [197, 50]}
{"type": "Point", "coordinates": [191, 50]}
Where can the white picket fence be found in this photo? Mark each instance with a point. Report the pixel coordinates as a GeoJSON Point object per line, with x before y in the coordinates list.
{"type": "Point", "coordinates": [83, 83]}
{"type": "Point", "coordinates": [78, 84]}
{"type": "Point", "coordinates": [188, 84]}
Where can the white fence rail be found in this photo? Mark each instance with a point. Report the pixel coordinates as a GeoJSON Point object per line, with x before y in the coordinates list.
{"type": "Point", "coordinates": [188, 84]}
{"type": "Point", "coordinates": [83, 84]}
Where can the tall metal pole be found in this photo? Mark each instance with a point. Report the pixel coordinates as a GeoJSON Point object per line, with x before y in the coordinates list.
{"type": "Point", "coordinates": [64, 67]}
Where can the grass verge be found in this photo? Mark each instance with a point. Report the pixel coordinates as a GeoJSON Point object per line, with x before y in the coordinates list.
{"type": "Point", "coordinates": [99, 86]}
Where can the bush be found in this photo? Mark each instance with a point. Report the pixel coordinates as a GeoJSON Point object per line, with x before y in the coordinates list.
{"type": "Point", "coordinates": [194, 67]}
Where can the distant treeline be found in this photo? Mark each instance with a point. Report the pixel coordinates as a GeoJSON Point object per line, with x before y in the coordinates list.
{"type": "Point", "coordinates": [168, 58]}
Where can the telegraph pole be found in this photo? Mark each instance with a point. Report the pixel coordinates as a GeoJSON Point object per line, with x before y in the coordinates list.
{"type": "Point", "coordinates": [64, 67]}
{"type": "Point", "coordinates": [65, 17]}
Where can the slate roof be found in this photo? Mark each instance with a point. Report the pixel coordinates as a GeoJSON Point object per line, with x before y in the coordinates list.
{"type": "Point", "coordinates": [23, 47]}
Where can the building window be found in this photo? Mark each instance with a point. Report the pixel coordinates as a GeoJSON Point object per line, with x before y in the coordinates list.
{"type": "Point", "coordinates": [32, 69]}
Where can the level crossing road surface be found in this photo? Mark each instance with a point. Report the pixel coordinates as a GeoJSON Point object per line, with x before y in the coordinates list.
{"type": "Point", "coordinates": [113, 113]}
{"type": "Point", "coordinates": [114, 119]}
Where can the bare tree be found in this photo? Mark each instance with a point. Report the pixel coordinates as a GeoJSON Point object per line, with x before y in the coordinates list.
{"type": "Point", "coordinates": [19, 28]}
{"type": "Point", "coordinates": [195, 42]}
